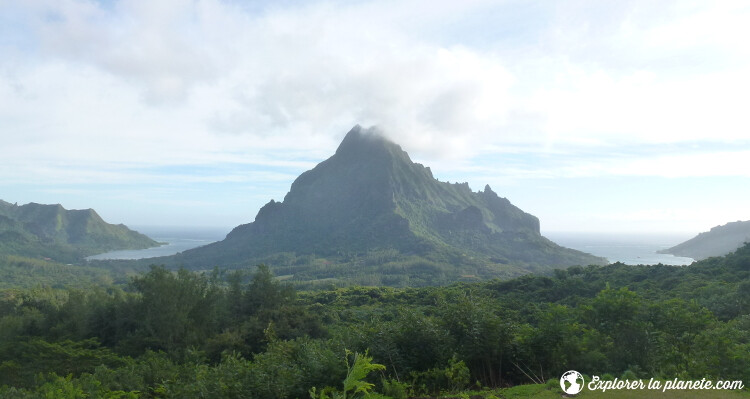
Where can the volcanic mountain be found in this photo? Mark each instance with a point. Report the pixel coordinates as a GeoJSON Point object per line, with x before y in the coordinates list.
{"type": "Point", "coordinates": [40, 230]}
{"type": "Point", "coordinates": [369, 205]}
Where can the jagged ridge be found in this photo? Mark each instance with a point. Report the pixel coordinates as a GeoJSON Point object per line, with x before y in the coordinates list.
{"type": "Point", "coordinates": [370, 196]}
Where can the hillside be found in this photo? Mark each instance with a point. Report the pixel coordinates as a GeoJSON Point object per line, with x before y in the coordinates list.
{"type": "Point", "coordinates": [51, 231]}
{"type": "Point", "coordinates": [196, 335]}
{"type": "Point", "coordinates": [370, 205]}
{"type": "Point", "coordinates": [718, 241]}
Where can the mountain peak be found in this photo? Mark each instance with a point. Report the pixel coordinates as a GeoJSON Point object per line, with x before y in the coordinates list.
{"type": "Point", "coordinates": [361, 139]}
{"type": "Point", "coordinates": [370, 198]}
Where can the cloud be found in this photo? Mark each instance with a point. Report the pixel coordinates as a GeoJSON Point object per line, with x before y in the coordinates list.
{"type": "Point", "coordinates": [158, 46]}
{"type": "Point", "coordinates": [171, 81]}
{"type": "Point", "coordinates": [198, 82]}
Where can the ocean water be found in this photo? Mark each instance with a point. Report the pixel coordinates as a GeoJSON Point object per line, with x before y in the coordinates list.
{"type": "Point", "coordinates": [176, 239]}
{"type": "Point", "coordinates": [630, 249]}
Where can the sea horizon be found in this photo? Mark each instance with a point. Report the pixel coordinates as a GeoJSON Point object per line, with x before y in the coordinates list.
{"type": "Point", "coordinates": [628, 248]}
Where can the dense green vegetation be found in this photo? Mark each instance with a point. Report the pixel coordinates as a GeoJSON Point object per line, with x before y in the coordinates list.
{"type": "Point", "coordinates": [377, 267]}
{"type": "Point", "coordinates": [52, 232]}
{"type": "Point", "coordinates": [369, 215]}
{"type": "Point", "coordinates": [24, 272]}
{"type": "Point", "coordinates": [184, 334]}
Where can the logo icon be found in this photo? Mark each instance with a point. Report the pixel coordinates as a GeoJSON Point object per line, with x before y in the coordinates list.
{"type": "Point", "coordinates": [571, 382]}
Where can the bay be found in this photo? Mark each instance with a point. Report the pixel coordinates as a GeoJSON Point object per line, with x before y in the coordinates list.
{"type": "Point", "coordinates": [630, 249]}
{"type": "Point", "coordinates": [175, 239]}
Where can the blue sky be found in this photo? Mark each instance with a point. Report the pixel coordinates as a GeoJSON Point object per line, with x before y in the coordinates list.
{"type": "Point", "coordinates": [595, 116]}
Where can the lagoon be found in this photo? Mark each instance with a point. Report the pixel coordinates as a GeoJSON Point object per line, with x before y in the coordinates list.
{"type": "Point", "coordinates": [176, 239]}
{"type": "Point", "coordinates": [630, 249]}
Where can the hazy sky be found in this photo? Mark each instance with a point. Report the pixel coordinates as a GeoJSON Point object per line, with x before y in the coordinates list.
{"type": "Point", "coordinates": [614, 116]}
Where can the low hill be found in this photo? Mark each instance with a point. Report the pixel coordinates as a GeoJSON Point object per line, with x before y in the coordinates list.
{"type": "Point", "coordinates": [718, 241]}
{"type": "Point", "coordinates": [51, 231]}
{"type": "Point", "coordinates": [369, 210]}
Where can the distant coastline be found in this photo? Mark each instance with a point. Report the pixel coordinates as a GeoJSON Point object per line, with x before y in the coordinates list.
{"type": "Point", "coordinates": [173, 240]}
{"type": "Point", "coordinates": [630, 249]}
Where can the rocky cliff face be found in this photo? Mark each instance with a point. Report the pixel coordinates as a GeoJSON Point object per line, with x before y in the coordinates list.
{"type": "Point", "coordinates": [370, 196]}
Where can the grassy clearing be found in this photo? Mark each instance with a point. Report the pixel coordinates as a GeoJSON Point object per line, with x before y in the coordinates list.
{"type": "Point", "coordinates": [545, 392]}
{"type": "Point", "coordinates": [676, 394]}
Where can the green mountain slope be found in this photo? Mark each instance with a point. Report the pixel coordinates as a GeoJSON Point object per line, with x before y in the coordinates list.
{"type": "Point", "coordinates": [369, 197]}
{"type": "Point", "coordinates": [719, 241]}
{"type": "Point", "coordinates": [52, 231]}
